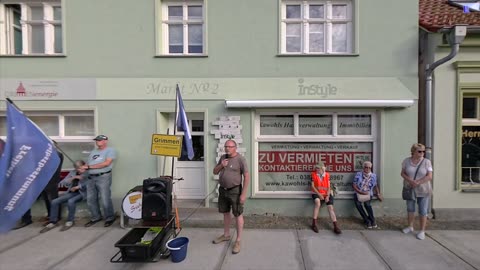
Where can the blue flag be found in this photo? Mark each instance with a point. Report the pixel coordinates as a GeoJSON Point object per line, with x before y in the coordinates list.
{"type": "Point", "coordinates": [182, 124]}
{"type": "Point", "coordinates": [27, 164]}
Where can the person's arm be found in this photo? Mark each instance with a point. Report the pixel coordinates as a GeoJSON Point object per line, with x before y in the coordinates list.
{"type": "Point", "coordinates": [246, 182]}
{"type": "Point", "coordinates": [106, 163]}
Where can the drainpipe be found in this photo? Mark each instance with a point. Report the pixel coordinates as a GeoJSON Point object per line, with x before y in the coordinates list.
{"type": "Point", "coordinates": [456, 35]}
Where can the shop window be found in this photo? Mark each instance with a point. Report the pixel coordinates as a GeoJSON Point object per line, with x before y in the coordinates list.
{"type": "Point", "coordinates": [470, 142]}
{"type": "Point", "coordinates": [183, 28]}
{"type": "Point", "coordinates": [317, 27]}
{"type": "Point", "coordinates": [285, 160]}
{"type": "Point", "coordinates": [31, 28]}
{"type": "Point", "coordinates": [197, 130]}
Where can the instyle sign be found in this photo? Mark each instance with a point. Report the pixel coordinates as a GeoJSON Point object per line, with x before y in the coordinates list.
{"type": "Point", "coordinates": [166, 145]}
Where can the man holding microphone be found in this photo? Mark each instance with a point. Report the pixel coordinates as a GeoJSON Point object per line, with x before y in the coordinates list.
{"type": "Point", "coordinates": [232, 192]}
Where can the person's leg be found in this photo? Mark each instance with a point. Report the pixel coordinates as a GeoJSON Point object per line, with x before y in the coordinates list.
{"type": "Point", "coordinates": [72, 204]}
{"type": "Point", "coordinates": [360, 209]}
{"type": "Point", "coordinates": [47, 201]}
{"type": "Point", "coordinates": [316, 209]}
{"type": "Point", "coordinates": [371, 217]}
{"type": "Point", "coordinates": [104, 183]}
{"type": "Point", "coordinates": [410, 216]}
{"type": "Point", "coordinates": [27, 217]}
{"type": "Point", "coordinates": [333, 217]}
{"type": "Point", "coordinates": [423, 203]}
{"type": "Point", "coordinates": [55, 206]}
{"type": "Point", "coordinates": [224, 208]}
{"type": "Point", "coordinates": [92, 200]}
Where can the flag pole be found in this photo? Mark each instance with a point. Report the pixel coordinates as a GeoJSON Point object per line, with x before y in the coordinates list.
{"type": "Point", "coordinates": [177, 216]}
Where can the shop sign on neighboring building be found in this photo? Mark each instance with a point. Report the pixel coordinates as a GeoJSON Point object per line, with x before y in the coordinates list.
{"type": "Point", "coordinates": [48, 89]}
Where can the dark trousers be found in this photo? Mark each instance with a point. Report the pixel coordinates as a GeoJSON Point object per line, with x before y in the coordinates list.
{"type": "Point", "coordinates": [368, 216]}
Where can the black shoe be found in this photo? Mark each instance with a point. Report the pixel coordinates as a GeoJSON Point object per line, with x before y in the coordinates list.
{"type": "Point", "coordinates": [22, 224]}
{"type": "Point", "coordinates": [91, 222]}
{"type": "Point", "coordinates": [108, 223]}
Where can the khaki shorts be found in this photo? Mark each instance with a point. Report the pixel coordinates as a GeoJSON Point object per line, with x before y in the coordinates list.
{"type": "Point", "coordinates": [229, 199]}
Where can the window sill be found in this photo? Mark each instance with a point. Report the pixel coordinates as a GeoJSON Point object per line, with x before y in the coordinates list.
{"type": "Point", "coordinates": [181, 56]}
{"type": "Point", "coordinates": [32, 55]}
{"type": "Point", "coordinates": [471, 189]}
{"type": "Point", "coordinates": [318, 55]}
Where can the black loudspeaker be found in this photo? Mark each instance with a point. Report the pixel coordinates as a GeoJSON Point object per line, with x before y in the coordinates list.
{"type": "Point", "coordinates": [157, 199]}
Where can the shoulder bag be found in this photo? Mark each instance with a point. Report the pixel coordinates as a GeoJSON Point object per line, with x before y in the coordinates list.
{"type": "Point", "coordinates": [364, 197]}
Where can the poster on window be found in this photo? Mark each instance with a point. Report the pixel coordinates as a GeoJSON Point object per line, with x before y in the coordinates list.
{"type": "Point", "coordinates": [471, 155]}
{"type": "Point", "coordinates": [288, 166]}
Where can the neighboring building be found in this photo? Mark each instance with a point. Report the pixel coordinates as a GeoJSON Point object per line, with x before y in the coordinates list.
{"type": "Point", "coordinates": [294, 82]}
{"type": "Point", "coordinates": [456, 107]}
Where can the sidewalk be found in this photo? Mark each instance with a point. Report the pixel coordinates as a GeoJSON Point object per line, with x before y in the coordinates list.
{"type": "Point", "coordinates": [91, 248]}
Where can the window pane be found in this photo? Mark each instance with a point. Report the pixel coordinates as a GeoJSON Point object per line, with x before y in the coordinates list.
{"type": "Point", "coordinates": [339, 11]}
{"type": "Point", "coordinates": [58, 39]}
{"type": "Point", "coordinates": [57, 13]}
{"type": "Point", "coordinates": [293, 11]}
{"type": "Point", "coordinates": [175, 13]}
{"type": "Point", "coordinates": [276, 125]}
{"type": "Point", "coordinates": [470, 155]}
{"type": "Point", "coordinates": [315, 125]}
{"type": "Point", "coordinates": [48, 124]}
{"type": "Point", "coordinates": [18, 41]}
{"type": "Point", "coordinates": [195, 12]}
{"type": "Point", "coordinates": [317, 37]}
{"type": "Point", "coordinates": [339, 37]}
{"type": "Point", "coordinates": [195, 38]}
{"type": "Point", "coordinates": [3, 126]}
{"type": "Point", "coordinates": [469, 107]}
{"type": "Point", "coordinates": [37, 13]}
{"type": "Point", "coordinates": [79, 126]}
{"type": "Point", "coordinates": [197, 125]}
{"type": "Point", "coordinates": [316, 11]}
{"type": "Point", "coordinates": [38, 39]}
{"type": "Point", "coordinates": [293, 41]}
{"type": "Point", "coordinates": [175, 38]}
{"type": "Point", "coordinates": [354, 125]}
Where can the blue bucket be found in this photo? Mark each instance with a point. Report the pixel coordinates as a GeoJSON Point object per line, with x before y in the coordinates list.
{"type": "Point", "coordinates": [178, 248]}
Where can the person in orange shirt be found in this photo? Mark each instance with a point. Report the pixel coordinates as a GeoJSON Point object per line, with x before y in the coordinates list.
{"type": "Point", "coordinates": [321, 192]}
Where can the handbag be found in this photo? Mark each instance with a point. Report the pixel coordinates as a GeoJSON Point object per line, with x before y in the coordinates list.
{"type": "Point", "coordinates": [363, 197]}
{"type": "Point", "coordinates": [407, 192]}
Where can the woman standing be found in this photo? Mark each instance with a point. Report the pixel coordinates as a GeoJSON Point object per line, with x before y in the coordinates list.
{"type": "Point", "coordinates": [365, 185]}
{"type": "Point", "coordinates": [417, 174]}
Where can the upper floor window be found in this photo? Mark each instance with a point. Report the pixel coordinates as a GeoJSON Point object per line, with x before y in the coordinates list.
{"type": "Point", "coordinates": [317, 27]}
{"type": "Point", "coordinates": [30, 27]}
{"type": "Point", "coordinates": [183, 28]}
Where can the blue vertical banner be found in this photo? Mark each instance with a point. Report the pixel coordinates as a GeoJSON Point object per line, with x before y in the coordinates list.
{"type": "Point", "coordinates": [27, 164]}
{"type": "Point", "coordinates": [182, 124]}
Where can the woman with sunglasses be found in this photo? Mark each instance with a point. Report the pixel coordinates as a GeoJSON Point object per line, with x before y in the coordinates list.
{"type": "Point", "coordinates": [417, 174]}
{"type": "Point", "coordinates": [365, 183]}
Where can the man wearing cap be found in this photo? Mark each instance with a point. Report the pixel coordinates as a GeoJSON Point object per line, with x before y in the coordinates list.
{"type": "Point", "coordinates": [99, 166]}
{"type": "Point", "coordinates": [321, 192]}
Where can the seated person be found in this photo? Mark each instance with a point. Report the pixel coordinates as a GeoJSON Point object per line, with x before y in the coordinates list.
{"type": "Point", "coordinates": [76, 192]}
{"type": "Point", "coordinates": [365, 183]}
{"type": "Point", "coordinates": [321, 192]}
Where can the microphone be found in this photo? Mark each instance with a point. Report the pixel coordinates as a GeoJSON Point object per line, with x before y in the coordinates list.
{"type": "Point", "coordinates": [227, 156]}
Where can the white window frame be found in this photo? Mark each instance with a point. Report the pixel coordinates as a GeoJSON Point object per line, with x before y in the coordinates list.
{"type": "Point", "coordinates": [7, 46]}
{"type": "Point", "coordinates": [185, 22]}
{"type": "Point", "coordinates": [328, 21]}
{"type": "Point", "coordinates": [372, 138]}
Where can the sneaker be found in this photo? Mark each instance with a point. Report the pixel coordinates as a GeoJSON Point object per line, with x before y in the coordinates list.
{"type": "Point", "coordinates": [315, 228]}
{"type": "Point", "coordinates": [48, 227]}
{"type": "Point", "coordinates": [421, 235]}
{"type": "Point", "coordinates": [220, 239]}
{"type": "Point", "coordinates": [92, 222]}
{"type": "Point", "coordinates": [408, 230]}
{"type": "Point", "coordinates": [374, 226]}
{"type": "Point", "coordinates": [236, 247]}
{"type": "Point", "coordinates": [22, 224]}
{"type": "Point", "coordinates": [68, 225]}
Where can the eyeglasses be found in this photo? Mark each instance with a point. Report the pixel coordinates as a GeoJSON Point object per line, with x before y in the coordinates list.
{"type": "Point", "coordinates": [228, 146]}
{"type": "Point", "coordinates": [420, 151]}
{"type": "Point", "coordinates": [367, 167]}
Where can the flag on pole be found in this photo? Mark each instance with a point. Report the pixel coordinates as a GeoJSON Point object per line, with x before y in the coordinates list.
{"type": "Point", "coordinates": [182, 124]}
{"type": "Point", "coordinates": [27, 164]}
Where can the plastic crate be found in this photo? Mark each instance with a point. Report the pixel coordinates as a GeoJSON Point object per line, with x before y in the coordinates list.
{"type": "Point", "coordinates": [134, 251]}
